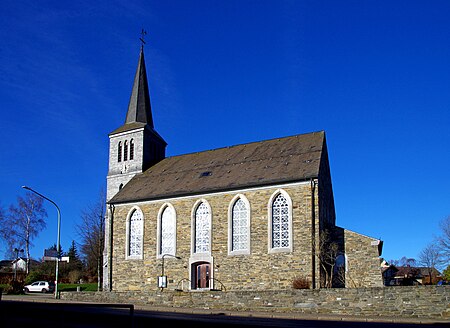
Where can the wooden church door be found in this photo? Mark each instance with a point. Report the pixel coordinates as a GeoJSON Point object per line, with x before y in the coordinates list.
{"type": "Point", "coordinates": [202, 275]}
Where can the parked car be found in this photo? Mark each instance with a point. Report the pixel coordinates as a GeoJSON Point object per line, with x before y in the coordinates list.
{"type": "Point", "coordinates": [40, 287]}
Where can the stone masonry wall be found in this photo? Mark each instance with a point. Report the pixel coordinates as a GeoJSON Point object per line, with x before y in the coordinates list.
{"type": "Point", "coordinates": [407, 302]}
{"type": "Point", "coordinates": [259, 270]}
{"type": "Point", "coordinates": [363, 262]}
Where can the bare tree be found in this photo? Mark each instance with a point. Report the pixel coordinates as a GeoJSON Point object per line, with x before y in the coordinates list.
{"type": "Point", "coordinates": [91, 230]}
{"type": "Point", "coordinates": [25, 221]}
{"type": "Point", "coordinates": [328, 252]}
{"type": "Point", "coordinates": [431, 258]}
{"type": "Point", "coordinates": [444, 239]}
{"type": "Point", "coordinates": [404, 262]}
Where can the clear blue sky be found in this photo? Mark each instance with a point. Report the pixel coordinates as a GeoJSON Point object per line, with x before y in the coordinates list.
{"type": "Point", "coordinates": [375, 75]}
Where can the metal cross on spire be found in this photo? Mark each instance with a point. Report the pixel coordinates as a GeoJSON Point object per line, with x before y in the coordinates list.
{"type": "Point", "coordinates": [143, 33]}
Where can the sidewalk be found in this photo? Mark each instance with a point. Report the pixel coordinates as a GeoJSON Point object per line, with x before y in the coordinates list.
{"type": "Point", "coordinates": [49, 298]}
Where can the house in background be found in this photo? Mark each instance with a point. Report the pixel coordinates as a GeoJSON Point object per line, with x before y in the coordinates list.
{"type": "Point", "coordinates": [19, 264]}
{"type": "Point", "coordinates": [410, 276]}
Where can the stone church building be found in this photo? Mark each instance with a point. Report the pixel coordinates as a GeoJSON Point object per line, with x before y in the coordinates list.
{"type": "Point", "coordinates": [255, 216]}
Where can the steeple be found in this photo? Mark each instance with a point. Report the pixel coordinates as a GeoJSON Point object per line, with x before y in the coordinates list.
{"type": "Point", "coordinates": [134, 146]}
{"type": "Point", "coordinates": [139, 108]}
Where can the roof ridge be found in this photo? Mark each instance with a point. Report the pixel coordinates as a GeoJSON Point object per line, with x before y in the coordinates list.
{"type": "Point", "coordinates": [247, 143]}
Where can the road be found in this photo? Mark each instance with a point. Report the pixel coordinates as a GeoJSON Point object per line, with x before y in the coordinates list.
{"type": "Point", "coordinates": [59, 314]}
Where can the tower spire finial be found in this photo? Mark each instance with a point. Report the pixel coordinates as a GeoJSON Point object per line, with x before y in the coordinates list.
{"type": "Point", "coordinates": [142, 38]}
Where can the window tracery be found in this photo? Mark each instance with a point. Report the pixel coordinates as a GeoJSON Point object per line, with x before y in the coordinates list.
{"type": "Point", "coordinates": [202, 228]}
{"type": "Point", "coordinates": [239, 230]}
{"type": "Point", "coordinates": [280, 222]}
{"type": "Point", "coordinates": [168, 229]}
{"type": "Point", "coordinates": [135, 234]}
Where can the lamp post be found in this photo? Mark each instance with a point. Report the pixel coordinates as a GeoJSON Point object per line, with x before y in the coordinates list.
{"type": "Point", "coordinates": [58, 247]}
{"type": "Point", "coordinates": [15, 264]}
{"type": "Point", "coordinates": [162, 281]}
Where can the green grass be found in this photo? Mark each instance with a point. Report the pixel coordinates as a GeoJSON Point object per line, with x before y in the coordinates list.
{"type": "Point", "coordinates": [73, 287]}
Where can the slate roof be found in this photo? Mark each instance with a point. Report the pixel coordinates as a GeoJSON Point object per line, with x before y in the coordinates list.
{"type": "Point", "coordinates": [139, 112]}
{"type": "Point", "coordinates": [289, 159]}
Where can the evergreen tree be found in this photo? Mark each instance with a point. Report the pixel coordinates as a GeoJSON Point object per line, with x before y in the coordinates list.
{"type": "Point", "coordinates": [75, 262]}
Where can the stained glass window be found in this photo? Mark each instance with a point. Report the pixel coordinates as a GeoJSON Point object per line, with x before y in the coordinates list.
{"type": "Point", "coordinates": [135, 234]}
{"type": "Point", "coordinates": [168, 231]}
{"type": "Point", "coordinates": [240, 217]}
{"type": "Point", "coordinates": [280, 222]}
{"type": "Point", "coordinates": [202, 228]}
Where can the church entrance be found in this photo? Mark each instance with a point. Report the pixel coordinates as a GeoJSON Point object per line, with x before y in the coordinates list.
{"type": "Point", "coordinates": [202, 275]}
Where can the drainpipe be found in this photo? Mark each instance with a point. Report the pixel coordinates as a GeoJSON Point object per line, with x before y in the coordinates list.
{"type": "Point", "coordinates": [313, 232]}
{"type": "Point", "coordinates": [110, 255]}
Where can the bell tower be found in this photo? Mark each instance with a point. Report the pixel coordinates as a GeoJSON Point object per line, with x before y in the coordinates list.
{"type": "Point", "coordinates": [135, 146]}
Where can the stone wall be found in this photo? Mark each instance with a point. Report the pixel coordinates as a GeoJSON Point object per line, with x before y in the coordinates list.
{"type": "Point", "coordinates": [363, 261]}
{"type": "Point", "coordinates": [408, 302]}
{"type": "Point", "coordinates": [258, 270]}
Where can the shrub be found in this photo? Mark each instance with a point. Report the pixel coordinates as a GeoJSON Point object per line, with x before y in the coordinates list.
{"type": "Point", "coordinates": [301, 283]}
{"type": "Point", "coordinates": [33, 276]}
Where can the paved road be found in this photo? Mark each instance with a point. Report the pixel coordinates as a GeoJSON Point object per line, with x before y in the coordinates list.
{"type": "Point", "coordinates": [59, 314]}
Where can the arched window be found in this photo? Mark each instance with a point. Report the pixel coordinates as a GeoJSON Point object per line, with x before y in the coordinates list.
{"type": "Point", "coordinates": [131, 149]}
{"type": "Point", "coordinates": [167, 237]}
{"type": "Point", "coordinates": [125, 150]}
{"type": "Point", "coordinates": [135, 234]}
{"type": "Point", "coordinates": [202, 229]}
{"type": "Point", "coordinates": [280, 214]}
{"type": "Point", "coordinates": [119, 152]}
{"type": "Point", "coordinates": [239, 229]}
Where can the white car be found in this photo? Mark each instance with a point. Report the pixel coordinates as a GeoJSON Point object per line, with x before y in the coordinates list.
{"type": "Point", "coordinates": [40, 287]}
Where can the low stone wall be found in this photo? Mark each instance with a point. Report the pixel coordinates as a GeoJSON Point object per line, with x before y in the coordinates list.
{"type": "Point", "coordinates": [431, 302]}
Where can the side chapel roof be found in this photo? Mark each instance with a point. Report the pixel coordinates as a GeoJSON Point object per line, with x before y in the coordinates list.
{"type": "Point", "coordinates": [283, 160]}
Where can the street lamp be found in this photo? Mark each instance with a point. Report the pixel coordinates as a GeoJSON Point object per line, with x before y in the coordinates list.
{"type": "Point", "coordinates": [58, 247]}
{"type": "Point", "coordinates": [162, 281]}
{"type": "Point", "coordinates": [15, 265]}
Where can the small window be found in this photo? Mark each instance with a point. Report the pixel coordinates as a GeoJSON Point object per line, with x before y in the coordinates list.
{"type": "Point", "coordinates": [131, 149]}
{"type": "Point", "coordinates": [125, 150]}
{"type": "Point", "coordinates": [119, 152]}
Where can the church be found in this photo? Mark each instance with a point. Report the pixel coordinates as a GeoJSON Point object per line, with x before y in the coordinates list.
{"type": "Point", "coordinates": [254, 216]}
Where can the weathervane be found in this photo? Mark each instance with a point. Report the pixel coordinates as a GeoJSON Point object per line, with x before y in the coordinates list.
{"type": "Point", "coordinates": [143, 33]}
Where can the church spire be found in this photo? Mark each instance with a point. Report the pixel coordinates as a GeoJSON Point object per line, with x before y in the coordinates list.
{"type": "Point", "coordinates": [139, 108]}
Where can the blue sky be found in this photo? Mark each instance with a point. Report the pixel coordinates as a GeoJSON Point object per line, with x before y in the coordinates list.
{"type": "Point", "coordinates": [374, 75]}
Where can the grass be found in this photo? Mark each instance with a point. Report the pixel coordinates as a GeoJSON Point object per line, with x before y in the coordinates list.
{"type": "Point", "coordinates": [73, 287]}
{"type": "Point", "coordinates": [66, 287]}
